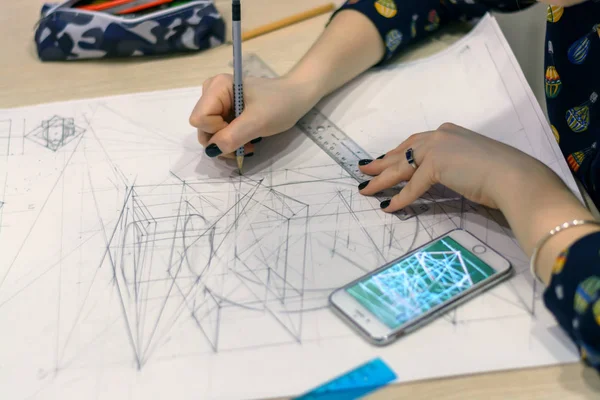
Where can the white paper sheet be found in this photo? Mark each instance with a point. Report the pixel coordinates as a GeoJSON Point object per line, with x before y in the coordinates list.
{"type": "Point", "coordinates": [134, 267]}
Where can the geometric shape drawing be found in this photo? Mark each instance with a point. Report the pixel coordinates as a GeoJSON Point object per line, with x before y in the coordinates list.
{"type": "Point", "coordinates": [216, 259]}
{"type": "Point", "coordinates": [55, 133]}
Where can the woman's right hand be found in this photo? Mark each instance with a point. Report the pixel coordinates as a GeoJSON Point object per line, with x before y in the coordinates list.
{"type": "Point", "coordinates": [271, 106]}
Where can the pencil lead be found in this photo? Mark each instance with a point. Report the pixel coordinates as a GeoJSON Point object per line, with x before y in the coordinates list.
{"type": "Point", "coordinates": [240, 163]}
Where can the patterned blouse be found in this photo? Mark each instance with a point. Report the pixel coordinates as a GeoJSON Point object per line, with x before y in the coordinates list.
{"type": "Point", "coordinates": [572, 85]}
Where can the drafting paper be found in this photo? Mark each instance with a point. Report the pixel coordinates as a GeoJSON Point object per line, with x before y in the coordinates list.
{"type": "Point", "coordinates": [134, 267]}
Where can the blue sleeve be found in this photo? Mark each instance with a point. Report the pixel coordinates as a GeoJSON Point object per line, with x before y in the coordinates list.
{"type": "Point", "coordinates": [589, 174]}
{"type": "Point", "coordinates": [401, 22]}
{"type": "Point", "coordinates": [573, 296]}
{"type": "Point", "coordinates": [572, 88]}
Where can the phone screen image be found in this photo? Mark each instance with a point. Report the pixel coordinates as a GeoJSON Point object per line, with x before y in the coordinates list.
{"type": "Point", "coordinates": [420, 282]}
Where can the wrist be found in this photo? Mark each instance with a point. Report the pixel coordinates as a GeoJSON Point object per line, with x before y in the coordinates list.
{"type": "Point", "coordinates": [307, 85]}
{"type": "Point", "coordinates": [535, 200]}
{"type": "Point", "coordinates": [550, 247]}
{"type": "Point", "coordinates": [339, 55]}
{"type": "Point", "coordinates": [526, 186]}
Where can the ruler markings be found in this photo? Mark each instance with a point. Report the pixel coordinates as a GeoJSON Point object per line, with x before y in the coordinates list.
{"type": "Point", "coordinates": [332, 140]}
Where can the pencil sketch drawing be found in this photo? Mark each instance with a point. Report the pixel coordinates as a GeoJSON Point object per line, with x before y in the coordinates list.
{"type": "Point", "coordinates": [55, 133]}
{"type": "Point", "coordinates": [132, 266]}
{"type": "Point", "coordinates": [203, 248]}
{"type": "Point", "coordinates": [5, 128]}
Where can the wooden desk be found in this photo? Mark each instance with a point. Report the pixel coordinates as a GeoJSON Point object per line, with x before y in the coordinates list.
{"type": "Point", "coordinates": [24, 80]}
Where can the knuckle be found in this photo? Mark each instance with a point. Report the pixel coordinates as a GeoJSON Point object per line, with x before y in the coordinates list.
{"type": "Point", "coordinates": [207, 83]}
{"type": "Point", "coordinates": [412, 137]}
{"type": "Point", "coordinates": [222, 79]}
{"type": "Point", "coordinates": [439, 135]}
{"type": "Point", "coordinates": [195, 120]}
{"type": "Point", "coordinates": [447, 126]}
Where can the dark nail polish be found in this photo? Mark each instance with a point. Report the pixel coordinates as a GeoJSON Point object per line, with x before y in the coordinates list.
{"type": "Point", "coordinates": [257, 140]}
{"type": "Point", "coordinates": [385, 204]}
{"type": "Point", "coordinates": [363, 185]}
{"type": "Point", "coordinates": [381, 157]}
{"type": "Point", "coordinates": [212, 151]}
{"type": "Point", "coordinates": [249, 155]}
{"type": "Point", "coordinates": [365, 162]}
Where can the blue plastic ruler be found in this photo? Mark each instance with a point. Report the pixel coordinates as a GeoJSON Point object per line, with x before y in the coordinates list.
{"type": "Point", "coordinates": [354, 384]}
{"type": "Point", "coordinates": [332, 140]}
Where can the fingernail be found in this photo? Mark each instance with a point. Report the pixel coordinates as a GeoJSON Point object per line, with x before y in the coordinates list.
{"type": "Point", "coordinates": [365, 162]}
{"type": "Point", "coordinates": [249, 155]}
{"type": "Point", "coordinates": [256, 140]}
{"type": "Point", "coordinates": [385, 204]}
{"type": "Point", "coordinates": [212, 151]}
{"type": "Point", "coordinates": [363, 185]}
{"type": "Point", "coordinates": [381, 157]}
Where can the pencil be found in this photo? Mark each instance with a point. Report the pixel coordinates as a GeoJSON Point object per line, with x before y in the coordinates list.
{"type": "Point", "coordinates": [238, 89]}
{"type": "Point", "coordinates": [288, 21]}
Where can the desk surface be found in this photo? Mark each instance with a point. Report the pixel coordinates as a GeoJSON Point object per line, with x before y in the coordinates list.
{"type": "Point", "coordinates": [24, 80]}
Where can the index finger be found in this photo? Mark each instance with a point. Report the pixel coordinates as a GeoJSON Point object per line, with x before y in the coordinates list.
{"type": "Point", "coordinates": [212, 108]}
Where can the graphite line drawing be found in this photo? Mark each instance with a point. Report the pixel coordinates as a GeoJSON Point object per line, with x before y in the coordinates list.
{"type": "Point", "coordinates": [178, 251]}
{"type": "Point", "coordinates": [269, 248]}
{"type": "Point", "coordinates": [5, 136]}
{"type": "Point", "coordinates": [55, 133]}
{"type": "Point", "coordinates": [213, 250]}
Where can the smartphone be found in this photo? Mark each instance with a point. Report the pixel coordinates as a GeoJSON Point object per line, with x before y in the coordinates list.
{"type": "Point", "coordinates": [420, 286]}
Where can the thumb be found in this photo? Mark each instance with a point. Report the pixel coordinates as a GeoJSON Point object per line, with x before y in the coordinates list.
{"type": "Point", "coordinates": [235, 135]}
{"type": "Point", "coordinates": [417, 186]}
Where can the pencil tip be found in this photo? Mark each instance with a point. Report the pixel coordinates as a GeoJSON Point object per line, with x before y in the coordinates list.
{"type": "Point", "coordinates": [240, 162]}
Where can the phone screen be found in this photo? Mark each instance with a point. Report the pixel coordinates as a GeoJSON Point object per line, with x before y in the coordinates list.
{"type": "Point", "coordinates": [420, 282]}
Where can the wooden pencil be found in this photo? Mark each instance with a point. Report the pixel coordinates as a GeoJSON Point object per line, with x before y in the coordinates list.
{"type": "Point", "coordinates": [288, 21]}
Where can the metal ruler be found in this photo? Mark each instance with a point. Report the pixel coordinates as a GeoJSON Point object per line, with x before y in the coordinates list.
{"type": "Point", "coordinates": [354, 384]}
{"type": "Point", "coordinates": [332, 140]}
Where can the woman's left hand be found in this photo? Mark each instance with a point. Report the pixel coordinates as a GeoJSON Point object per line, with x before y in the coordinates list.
{"type": "Point", "coordinates": [481, 169]}
{"type": "Point", "coordinates": [529, 194]}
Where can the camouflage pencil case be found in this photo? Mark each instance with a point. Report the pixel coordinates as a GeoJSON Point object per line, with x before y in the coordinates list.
{"type": "Point", "coordinates": [68, 33]}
